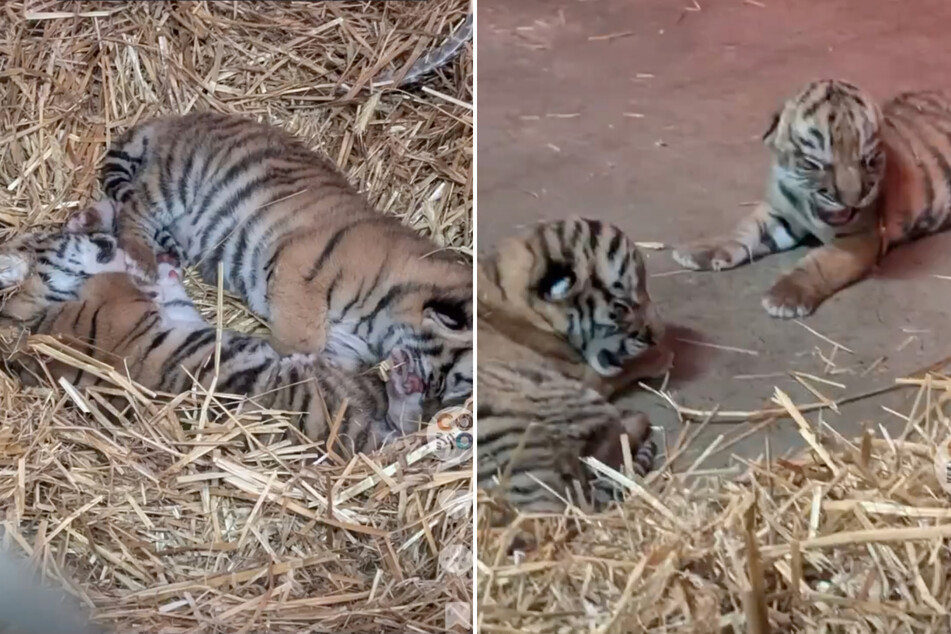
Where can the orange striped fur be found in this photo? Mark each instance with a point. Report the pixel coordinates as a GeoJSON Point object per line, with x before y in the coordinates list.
{"type": "Point", "coordinates": [859, 177]}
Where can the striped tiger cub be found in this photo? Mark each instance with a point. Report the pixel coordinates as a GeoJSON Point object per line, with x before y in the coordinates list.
{"type": "Point", "coordinates": [305, 251]}
{"type": "Point", "coordinates": [83, 288]}
{"type": "Point", "coordinates": [858, 177]}
{"type": "Point", "coordinates": [565, 321]}
{"type": "Point", "coordinates": [535, 425]}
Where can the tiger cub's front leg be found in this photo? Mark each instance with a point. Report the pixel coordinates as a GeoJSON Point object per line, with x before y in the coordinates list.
{"type": "Point", "coordinates": [137, 235]}
{"type": "Point", "coordinates": [763, 232]}
{"type": "Point", "coordinates": [822, 273]}
{"type": "Point", "coordinates": [100, 216]}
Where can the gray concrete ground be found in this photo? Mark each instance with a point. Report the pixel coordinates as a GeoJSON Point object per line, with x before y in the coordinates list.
{"type": "Point", "coordinates": [648, 113]}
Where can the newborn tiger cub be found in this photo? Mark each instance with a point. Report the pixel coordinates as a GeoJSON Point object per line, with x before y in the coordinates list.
{"type": "Point", "coordinates": [76, 286]}
{"type": "Point", "coordinates": [859, 178]}
{"type": "Point", "coordinates": [534, 427]}
{"type": "Point", "coordinates": [297, 242]}
{"type": "Point", "coordinates": [565, 321]}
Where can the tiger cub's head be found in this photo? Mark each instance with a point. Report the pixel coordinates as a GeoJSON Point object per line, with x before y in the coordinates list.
{"type": "Point", "coordinates": [581, 280]}
{"type": "Point", "coordinates": [828, 152]}
{"type": "Point", "coordinates": [436, 359]}
{"type": "Point", "coordinates": [46, 267]}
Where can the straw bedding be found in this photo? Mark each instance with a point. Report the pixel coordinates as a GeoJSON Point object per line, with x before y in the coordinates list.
{"type": "Point", "coordinates": [157, 517]}
{"type": "Point", "coordinates": [847, 536]}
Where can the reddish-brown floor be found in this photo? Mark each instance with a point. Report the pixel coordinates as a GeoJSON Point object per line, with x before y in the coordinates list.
{"type": "Point", "coordinates": [649, 114]}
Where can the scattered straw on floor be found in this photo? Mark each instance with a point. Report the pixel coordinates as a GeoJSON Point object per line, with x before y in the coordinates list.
{"type": "Point", "coordinates": [849, 536]}
{"type": "Point", "coordinates": [165, 522]}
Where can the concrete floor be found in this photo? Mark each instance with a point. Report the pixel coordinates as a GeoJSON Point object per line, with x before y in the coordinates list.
{"type": "Point", "coordinates": [648, 114]}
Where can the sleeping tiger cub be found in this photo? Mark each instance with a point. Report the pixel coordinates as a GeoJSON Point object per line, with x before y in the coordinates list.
{"type": "Point", "coordinates": [564, 321]}
{"type": "Point", "coordinates": [859, 178]}
{"type": "Point", "coordinates": [298, 244]}
{"type": "Point", "coordinates": [535, 425]}
{"type": "Point", "coordinates": [76, 286]}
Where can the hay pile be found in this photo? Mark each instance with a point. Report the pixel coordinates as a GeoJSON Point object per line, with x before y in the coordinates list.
{"type": "Point", "coordinates": [164, 523]}
{"type": "Point", "coordinates": [848, 536]}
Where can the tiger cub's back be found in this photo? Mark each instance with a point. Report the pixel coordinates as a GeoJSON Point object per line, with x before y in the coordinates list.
{"type": "Point", "coordinates": [917, 182]}
{"type": "Point", "coordinates": [534, 428]}
{"type": "Point", "coordinates": [296, 241]}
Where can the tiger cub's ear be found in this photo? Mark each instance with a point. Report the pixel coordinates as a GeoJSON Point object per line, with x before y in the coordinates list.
{"type": "Point", "coordinates": [14, 268]}
{"type": "Point", "coordinates": [777, 134]}
{"type": "Point", "coordinates": [770, 134]}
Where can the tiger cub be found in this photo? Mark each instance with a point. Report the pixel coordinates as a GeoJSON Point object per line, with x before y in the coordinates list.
{"type": "Point", "coordinates": [76, 286]}
{"type": "Point", "coordinates": [297, 242]}
{"type": "Point", "coordinates": [859, 178]}
{"type": "Point", "coordinates": [535, 425]}
{"type": "Point", "coordinates": [564, 321]}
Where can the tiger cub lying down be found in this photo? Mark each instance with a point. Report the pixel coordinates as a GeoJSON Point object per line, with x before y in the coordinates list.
{"type": "Point", "coordinates": [859, 178]}
{"type": "Point", "coordinates": [564, 321]}
{"type": "Point", "coordinates": [301, 247]}
{"type": "Point", "coordinates": [84, 289]}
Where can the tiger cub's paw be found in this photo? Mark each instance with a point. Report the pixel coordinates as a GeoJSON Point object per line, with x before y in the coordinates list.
{"type": "Point", "coordinates": [97, 217]}
{"type": "Point", "coordinates": [169, 264]}
{"type": "Point", "coordinates": [790, 297]}
{"type": "Point", "coordinates": [638, 429]}
{"type": "Point", "coordinates": [710, 256]}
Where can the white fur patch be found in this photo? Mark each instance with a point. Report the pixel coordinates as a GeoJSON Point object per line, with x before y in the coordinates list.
{"type": "Point", "coordinates": [346, 350]}
{"type": "Point", "coordinates": [169, 288]}
{"type": "Point", "coordinates": [685, 259]}
{"type": "Point", "coordinates": [785, 311]}
{"type": "Point", "coordinates": [107, 213]}
{"type": "Point", "coordinates": [121, 263]}
{"type": "Point", "coordinates": [14, 268]}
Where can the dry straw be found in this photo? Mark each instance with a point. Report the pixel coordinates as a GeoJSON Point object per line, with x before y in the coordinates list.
{"type": "Point", "coordinates": [152, 511]}
{"type": "Point", "coordinates": [846, 536]}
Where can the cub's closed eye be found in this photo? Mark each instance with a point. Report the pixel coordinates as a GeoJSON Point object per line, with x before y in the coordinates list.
{"type": "Point", "coordinates": [557, 282]}
{"type": "Point", "coordinates": [450, 314]}
{"type": "Point", "coordinates": [621, 308]}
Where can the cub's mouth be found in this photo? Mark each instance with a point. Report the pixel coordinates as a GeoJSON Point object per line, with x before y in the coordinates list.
{"type": "Point", "coordinates": [609, 363]}
{"type": "Point", "coordinates": [838, 218]}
